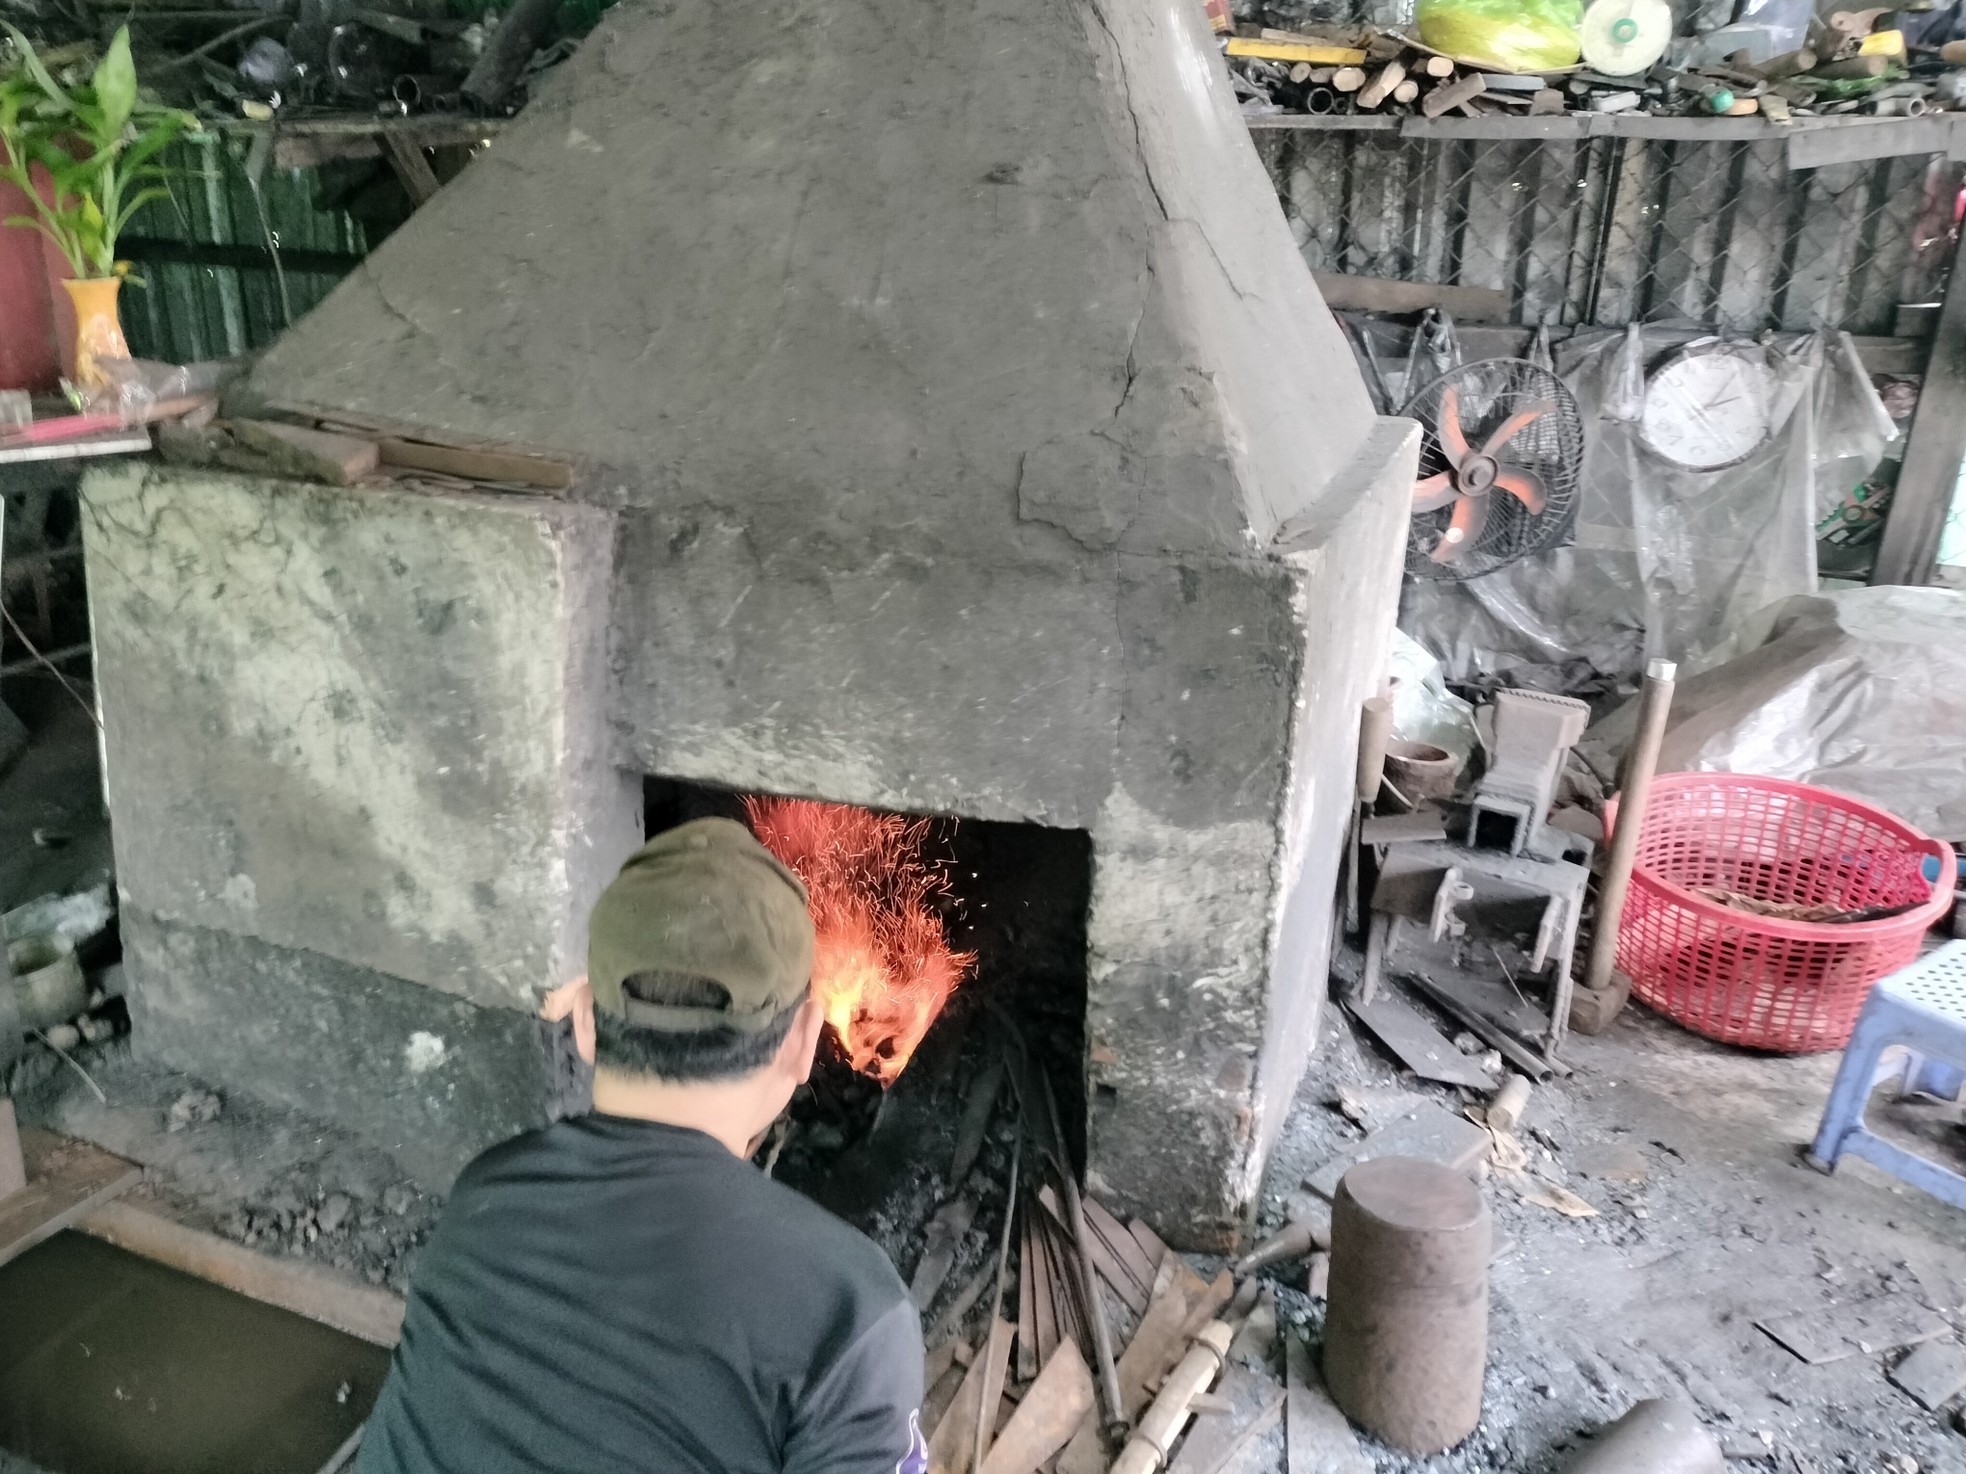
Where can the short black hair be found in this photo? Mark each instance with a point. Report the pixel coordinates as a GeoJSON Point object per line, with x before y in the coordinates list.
{"type": "Point", "coordinates": [701, 1054]}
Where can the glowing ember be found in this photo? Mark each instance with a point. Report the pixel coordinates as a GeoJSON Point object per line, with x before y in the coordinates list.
{"type": "Point", "coordinates": [882, 969]}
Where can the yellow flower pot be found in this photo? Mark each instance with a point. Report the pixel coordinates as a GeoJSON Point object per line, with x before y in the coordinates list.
{"type": "Point", "coordinates": [98, 330]}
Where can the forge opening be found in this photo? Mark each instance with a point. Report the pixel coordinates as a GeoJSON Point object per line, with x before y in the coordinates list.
{"type": "Point", "coordinates": [1009, 902]}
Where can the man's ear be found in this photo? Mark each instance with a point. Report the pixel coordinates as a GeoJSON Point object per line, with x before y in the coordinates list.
{"type": "Point", "coordinates": [795, 1055]}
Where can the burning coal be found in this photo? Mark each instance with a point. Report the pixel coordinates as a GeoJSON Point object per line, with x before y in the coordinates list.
{"type": "Point", "coordinates": [882, 968]}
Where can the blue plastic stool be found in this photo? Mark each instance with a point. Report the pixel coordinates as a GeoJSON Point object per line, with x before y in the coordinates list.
{"type": "Point", "coordinates": [1920, 1009]}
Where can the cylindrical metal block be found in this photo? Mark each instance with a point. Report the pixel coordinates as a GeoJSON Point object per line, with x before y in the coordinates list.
{"type": "Point", "coordinates": [1657, 1436]}
{"type": "Point", "coordinates": [1406, 1321]}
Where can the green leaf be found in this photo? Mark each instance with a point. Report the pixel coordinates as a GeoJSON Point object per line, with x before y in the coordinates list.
{"type": "Point", "coordinates": [115, 83]}
{"type": "Point", "coordinates": [32, 63]}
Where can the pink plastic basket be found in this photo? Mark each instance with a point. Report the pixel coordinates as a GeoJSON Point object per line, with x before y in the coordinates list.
{"type": "Point", "coordinates": [1793, 986]}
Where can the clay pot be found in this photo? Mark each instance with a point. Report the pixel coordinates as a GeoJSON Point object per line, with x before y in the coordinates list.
{"type": "Point", "coordinates": [48, 979]}
{"type": "Point", "coordinates": [98, 329]}
{"type": "Point", "coordinates": [1421, 771]}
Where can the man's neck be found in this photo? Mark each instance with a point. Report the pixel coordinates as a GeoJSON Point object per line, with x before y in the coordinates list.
{"type": "Point", "coordinates": [721, 1110]}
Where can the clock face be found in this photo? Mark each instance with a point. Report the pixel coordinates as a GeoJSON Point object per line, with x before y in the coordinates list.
{"type": "Point", "coordinates": [1709, 407]}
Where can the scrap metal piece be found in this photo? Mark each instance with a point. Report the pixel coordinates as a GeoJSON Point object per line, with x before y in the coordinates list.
{"type": "Point", "coordinates": [1533, 732]}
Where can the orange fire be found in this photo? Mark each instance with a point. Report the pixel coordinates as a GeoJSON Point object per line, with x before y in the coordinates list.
{"type": "Point", "coordinates": [882, 968]}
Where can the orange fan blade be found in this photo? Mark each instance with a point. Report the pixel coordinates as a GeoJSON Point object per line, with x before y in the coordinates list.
{"type": "Point", "coordinates": [1513, 425]}
{"type": "Point", "coordinates": [1431, 493]}
{"type": "Point", "coordinates": [1449, 429]}
{"type": "Point", "coordinates": [1470, 517]}
{"type": "Point", "coordinates": [1524, 487]}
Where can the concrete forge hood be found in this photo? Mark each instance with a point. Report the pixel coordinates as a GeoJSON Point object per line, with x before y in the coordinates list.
{"type": "Point", "coordinates": [969, 437]}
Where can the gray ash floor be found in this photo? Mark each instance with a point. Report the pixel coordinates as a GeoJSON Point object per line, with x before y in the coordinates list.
{"type": "Point", "coordinates": [1658, 1295]}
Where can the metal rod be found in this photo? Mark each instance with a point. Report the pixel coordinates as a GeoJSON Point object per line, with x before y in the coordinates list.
{"type": "Point", "coordinates": [986, 1415]}
{"type": "Point", "coordinates": [1654, 703]}
{"type": "Point", "coordinates": [1095, 1310]}
{"type": "Point", "coordinates": [22, 667]}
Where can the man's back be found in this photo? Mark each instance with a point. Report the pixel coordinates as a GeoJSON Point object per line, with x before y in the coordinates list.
{"type": "Point", "coordinates": [619, 1295]}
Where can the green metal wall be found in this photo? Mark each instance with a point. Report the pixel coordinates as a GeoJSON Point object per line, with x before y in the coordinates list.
{"type": "Point", "coordinates": [208, 255]}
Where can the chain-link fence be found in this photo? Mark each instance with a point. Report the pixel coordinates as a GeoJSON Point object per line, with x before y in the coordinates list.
{"type": "Point", "coordinates": [1602, 231]}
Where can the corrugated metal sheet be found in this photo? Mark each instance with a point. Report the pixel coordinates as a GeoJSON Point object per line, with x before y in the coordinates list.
{"type": "Point", "coordinates": [1605, 231]}
{"type": "Point", "coordinates": [236, 298]}
{"type": "Point", "coordinates": [1597, 231]}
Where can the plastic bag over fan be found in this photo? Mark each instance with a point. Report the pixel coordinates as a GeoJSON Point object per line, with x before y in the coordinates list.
{"type": "Point", "coordinates": [1515, 35]}
{"type": "Point", "coordinates": [1861, 691]}
{"type": "Point", "coordinates": [1664, 561]}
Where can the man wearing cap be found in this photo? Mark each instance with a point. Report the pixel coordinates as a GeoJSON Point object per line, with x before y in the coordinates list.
{"type": "Point", "coordinates": [624, 1291]}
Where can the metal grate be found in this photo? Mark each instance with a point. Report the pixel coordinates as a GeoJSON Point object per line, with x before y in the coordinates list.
{"type": "Point", "coordinates": [1603, 231]}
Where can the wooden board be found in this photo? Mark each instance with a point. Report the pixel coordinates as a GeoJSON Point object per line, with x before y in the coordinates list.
{"type": "Point", "coordinates": [306, 1289]}
{"type": "Point", "coordinates": [1027, 1309]}
{"type": "Point", "coordinates": [1128, 1249]}
{"type": "Point", "coordinates": [1047, 1416]}
{"type": "Point", "coordinates": [1385, 294]}
{"type": "Point", "coordinates": [477, 465]}
{"type": "Point", "coordinates": [1044, 1296]}
{"type": "Point", "coordinates": [1149, 1241]}
{"type": "Point", "coordinates": [65, 1179]}
{"type": "Point", "coordinates": [951, 1445]}
{"type": "Point", "coordinates": [1254, 1401]}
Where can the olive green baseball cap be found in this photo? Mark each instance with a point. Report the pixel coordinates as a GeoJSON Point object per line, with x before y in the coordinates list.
{"type": "Point", "coordinates": [712, 927]}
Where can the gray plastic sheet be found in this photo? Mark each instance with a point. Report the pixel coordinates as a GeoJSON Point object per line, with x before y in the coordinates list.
{"type": "Point", "coordinates": [1665, 561]}
{"type": "Point", "coordinates": [1861, 691]}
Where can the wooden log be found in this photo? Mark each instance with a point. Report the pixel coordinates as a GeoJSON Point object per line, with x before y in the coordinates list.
{"type": "Point", "coordinates": [1046, 1418]}
{"type": "Point", "coordinates": [1219, 1294]}
{"type": "Point", "coordinates": [1505, 1110]}
{"type": "Point", "coordinates": [1154, 1435]}
{"type": "Point", "coordinates": [1370, 96]}
{"type": "Point", "coordinates": [1438, 66]}
{"type": "Point", "coordinates": [1407, 91]}
{"type": "Point", "coordinates": [1348, 79]}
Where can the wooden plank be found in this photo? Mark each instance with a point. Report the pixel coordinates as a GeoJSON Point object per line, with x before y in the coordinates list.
{"type": "Point", "coordinates": [1317, 53]}
{"type": "Point", "coordinates": [1383, 294]}
{"type": "Point", "coordinates": [65, 1179]}
{"type": "Point", "coordinates": [1062, 1270]}
{"type": "Point", "coordinates": [1909, 551]}
{"type": "Point", "coordinates": [951, 1445]}
{"type": "Point", "coordinates": [1253, 1401]}
{"type": "Point", "coordinates": [1119, 1260]}
{"type": "Point", "coordinates": [994, 1358]}
{"type": "Point", "coordinates": [479, 465]}
{"type": "Point", "coordinates": [1044, 1297]}
{"type": "Point", "coordinates": [1107, 1265]}
{"type": "Point", "coordinates": [1123, 1244]}
{"type": "Point", "coordinates": [305, 1289]}
{"type": "Point", "coordinates": [1149, 1241]}
{"type": "Point", "coordinates": [1860, 1327]}
{"type": "Point", "coordinates": [1050, 1412]}
{"type": "Point", "coordinates": [413, 170]}
{"type": "Point", "coordinates": [1028, 1363]}
{"type": "Point", "coordinates": [295, 450]}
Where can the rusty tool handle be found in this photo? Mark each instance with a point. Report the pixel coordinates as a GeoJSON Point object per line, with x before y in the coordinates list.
{"type": "Point", "coordinates": [1654, 704]}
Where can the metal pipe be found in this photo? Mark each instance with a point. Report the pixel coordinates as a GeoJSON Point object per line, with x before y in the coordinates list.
{"type": "Point", "coordinates": [1104, 1367]}
{"type": "Point", "coordinates": [985, 1416]}
{"type": "Point", "coordinates": [1654, 704]}
{"type": "Point", "coordinates": [1320, 100]}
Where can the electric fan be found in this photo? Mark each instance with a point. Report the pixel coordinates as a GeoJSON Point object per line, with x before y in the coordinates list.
{"type": "Point", "coordinates": [1498, 472]}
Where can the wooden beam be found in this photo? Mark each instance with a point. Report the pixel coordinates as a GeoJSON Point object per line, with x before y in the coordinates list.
{"type": "Point", "coordinates": [306, 1289]}
{"type": "Point", "coordinates": [1929, 474]}
{"type": "Point", "coordinates": [65, 1179]}
{"type": "Point", "coordinates": [1383, 294]}
{"type": "Point", "coordinates": [412, 168]}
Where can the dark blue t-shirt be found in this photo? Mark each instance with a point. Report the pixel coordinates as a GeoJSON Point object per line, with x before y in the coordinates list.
{"type": "Point", "coordinates": [610, 1296]}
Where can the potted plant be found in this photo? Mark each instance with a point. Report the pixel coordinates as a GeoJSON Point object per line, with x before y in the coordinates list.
{"type": "Point", "coordinates": [83, 156]}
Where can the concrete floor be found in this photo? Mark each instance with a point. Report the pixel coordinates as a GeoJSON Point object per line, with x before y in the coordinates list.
{"type": "Point", "coordinates": [1658, 1295]}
